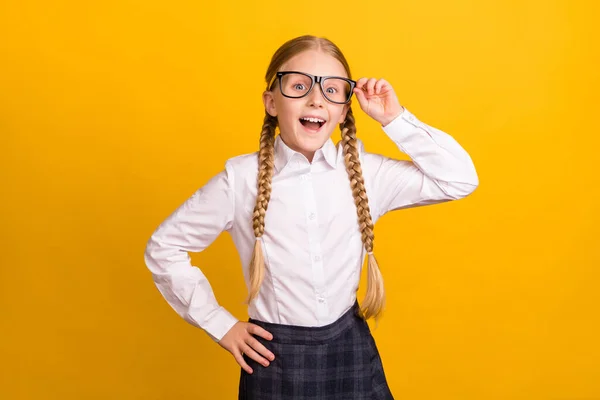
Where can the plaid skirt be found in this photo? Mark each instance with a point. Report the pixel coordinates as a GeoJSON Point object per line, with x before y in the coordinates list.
{"type": "Point", "coordinates": [339, 361]}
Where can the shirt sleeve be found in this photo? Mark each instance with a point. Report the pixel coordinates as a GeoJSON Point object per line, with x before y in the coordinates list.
{"type": "Point", "coordinates": [193, 226]}
{"type": "Point", "coordinates": [439, 170]}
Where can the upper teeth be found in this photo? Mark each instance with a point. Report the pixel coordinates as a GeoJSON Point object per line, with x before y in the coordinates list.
{"type": "Point", "coordinates": [313, 119]}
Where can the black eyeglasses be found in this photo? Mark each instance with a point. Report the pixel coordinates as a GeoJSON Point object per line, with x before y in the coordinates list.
{"type": "Point", "coordinates": [294, 84]}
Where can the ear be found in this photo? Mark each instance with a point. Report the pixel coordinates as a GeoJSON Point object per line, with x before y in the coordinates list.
{"type": "Point", "coordinates": [343, 116]}
{"type": "Point", "coordinates": [269, 102]}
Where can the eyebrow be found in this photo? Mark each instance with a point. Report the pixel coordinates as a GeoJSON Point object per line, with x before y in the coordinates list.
{"type": "Point", "coordinates": [304, 72]}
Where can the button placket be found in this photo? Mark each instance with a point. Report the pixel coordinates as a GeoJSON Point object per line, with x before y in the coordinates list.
{"type": "Point", "coordinates": [316, 256]}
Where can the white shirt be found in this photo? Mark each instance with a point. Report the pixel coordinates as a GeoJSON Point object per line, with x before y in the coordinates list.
{"type": "Point", "coordinates": [312, 244]}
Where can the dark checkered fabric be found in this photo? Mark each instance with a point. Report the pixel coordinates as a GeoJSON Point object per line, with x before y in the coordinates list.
{"type": "Point", "coordinates": [339, 361]}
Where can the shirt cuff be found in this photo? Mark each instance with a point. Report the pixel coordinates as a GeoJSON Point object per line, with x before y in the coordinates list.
{"type": "Point", "coordinates": [403, 126]}
{"type": "Point", "coordinates": [219, 324]}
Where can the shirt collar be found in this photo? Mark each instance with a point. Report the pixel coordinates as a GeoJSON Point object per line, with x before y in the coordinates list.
{"type": "Point", "coordinates": [283, 154]}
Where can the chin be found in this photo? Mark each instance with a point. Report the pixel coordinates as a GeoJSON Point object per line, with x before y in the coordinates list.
{"type": "Point", "coordinates": [312, 142]}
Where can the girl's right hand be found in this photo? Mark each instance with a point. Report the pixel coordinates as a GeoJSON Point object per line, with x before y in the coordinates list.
{"type": "Point", "coordinates": [239, 340]}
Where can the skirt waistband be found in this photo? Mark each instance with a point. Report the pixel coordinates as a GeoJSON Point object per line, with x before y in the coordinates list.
{"type": "Point", "coordinates": [294, 334]}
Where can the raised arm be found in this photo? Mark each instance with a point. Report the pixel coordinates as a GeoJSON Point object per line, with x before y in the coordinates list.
{"type": "Point", "coordinates": [439, 170]}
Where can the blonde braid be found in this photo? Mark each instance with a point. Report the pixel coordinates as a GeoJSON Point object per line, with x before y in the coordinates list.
{"type": "Point", "coordinates": [266, 156]}
{"type": "Point", "coordinates": [373, 303]}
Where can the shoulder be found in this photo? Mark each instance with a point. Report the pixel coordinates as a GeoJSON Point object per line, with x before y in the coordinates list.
{"type": "Point", "coordinates": [242, 167]}
{"type": "Point", "coordinates": [376, 164]}
{"type": "Point", "coordinates": [243, 160]}
{"type": "Point", "coordinates": [368, 159]}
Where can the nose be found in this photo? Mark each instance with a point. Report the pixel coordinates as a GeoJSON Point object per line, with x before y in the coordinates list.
{"type": "Point", "coordinates": [315, 97]}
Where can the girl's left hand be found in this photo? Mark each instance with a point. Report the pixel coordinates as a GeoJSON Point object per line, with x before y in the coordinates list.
{"type": "Point", "coordinates": [378, 99]}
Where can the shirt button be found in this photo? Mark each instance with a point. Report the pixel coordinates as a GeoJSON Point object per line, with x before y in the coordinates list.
{"type": "Point", "coordinates": [321, 300]}
{"type": "Point", "coordinates": [304, 177]}
{"type": "Point", "coordinates": [312, 216]}
{"type": "Point", "coordinates": [317, 258]}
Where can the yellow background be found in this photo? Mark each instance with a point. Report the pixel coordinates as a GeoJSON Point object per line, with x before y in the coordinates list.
{"type": "Point", "coordinates": [113, 113]}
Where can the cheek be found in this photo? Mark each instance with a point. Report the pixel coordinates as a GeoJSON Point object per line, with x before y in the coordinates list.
{"type": "Point", "coordinates": [338, 116]}
{"type": "Point", "coordinates": [287, 112]}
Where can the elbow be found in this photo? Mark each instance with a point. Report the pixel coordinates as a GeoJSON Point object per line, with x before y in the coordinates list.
{"type": "Point", "coordinates": [150, 256]}
{"type": "Point", "coordinates": [465, 189]}
{"type": "Point", "coordinates": [162, 258]}
{"type": "Point", "coordinates": [461, 190]}
{"type": "Point", "coordinates": [469, 183]}
{"type": "Point", "coordinates": [156, 263]}
{"type": "Point", "coordinates": [473, 182]}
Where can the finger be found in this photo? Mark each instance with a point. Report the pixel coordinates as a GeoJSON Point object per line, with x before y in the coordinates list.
{"type": "Point", "coordinates": [240, 360]}
{"type": "Point", "coordinates": [258, 346]}
{"type": "Point", "coordinates": [259, 331]}
{"type": "Point", "coordinates": [379, 85]}
{"type": "Point", "coordinates": [361, 97]}
{"type": "Point", "coordinates": [249, 351]}
{"type": "Point", "coordinates": [361, 82]}
{"type": "Point", "coordinates": [371, 86]}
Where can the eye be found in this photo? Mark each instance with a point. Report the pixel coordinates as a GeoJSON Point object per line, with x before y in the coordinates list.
{"type": "Point", "coordinates": [331, 90]}
{"type": "Point", "coordinates": [299, 86]}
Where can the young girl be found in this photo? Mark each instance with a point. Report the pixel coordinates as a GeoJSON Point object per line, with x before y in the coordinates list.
{"type": "Point", "coordinates": [301, 213]}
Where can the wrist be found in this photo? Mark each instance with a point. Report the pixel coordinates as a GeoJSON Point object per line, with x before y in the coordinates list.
{"type": "Point", "coordinates": [385, 122]}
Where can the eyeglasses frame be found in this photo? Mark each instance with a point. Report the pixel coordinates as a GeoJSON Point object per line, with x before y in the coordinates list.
{"type": "Point", "coordinates": [314, 79]}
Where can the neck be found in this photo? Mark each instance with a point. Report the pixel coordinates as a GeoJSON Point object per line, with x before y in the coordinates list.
{"type": "Point", "coordinates": [308, 154]}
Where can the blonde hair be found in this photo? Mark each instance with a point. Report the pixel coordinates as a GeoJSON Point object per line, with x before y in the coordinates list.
{"type": "Point", "coordinates": [373, 303]}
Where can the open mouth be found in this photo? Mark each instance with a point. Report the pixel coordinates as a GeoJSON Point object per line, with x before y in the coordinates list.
{"type": "Point", "coordinates": [312, 124]}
